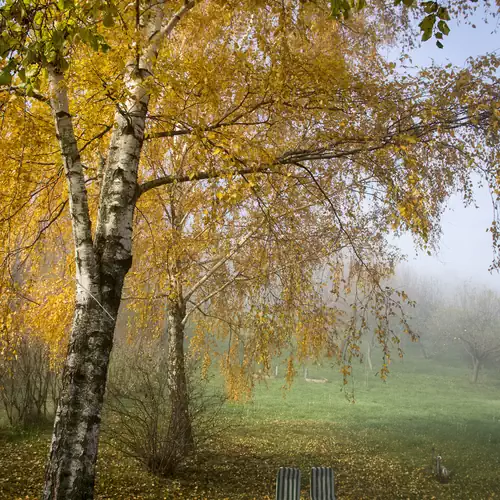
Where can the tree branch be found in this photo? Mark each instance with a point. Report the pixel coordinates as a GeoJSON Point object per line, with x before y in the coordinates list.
{"type": "Point", "coordinates": [169, 27]}
{"type": "Point", "coordinates": [171, 179]}
{"type": "Point", "coordinates": [329, 152]}
{"type": "Point", "coordinates": [221, 262]}
{"type": "Point", "coordinates": [20, 91]}
{"type": "Point", "coordinates": [209, 296]}
{"type": "Point", "coordinates": [107, 128]}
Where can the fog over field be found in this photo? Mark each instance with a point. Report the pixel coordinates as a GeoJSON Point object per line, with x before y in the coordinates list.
{"type": "Point", "coordinates": [465, 248]}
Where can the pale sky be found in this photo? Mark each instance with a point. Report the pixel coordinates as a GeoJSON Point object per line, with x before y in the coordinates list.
{"type": "Point", "coordinates": [465, 248]}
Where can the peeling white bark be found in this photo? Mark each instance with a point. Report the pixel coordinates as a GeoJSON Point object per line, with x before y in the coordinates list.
{"type": "Point", "coordinates": [86, 269]}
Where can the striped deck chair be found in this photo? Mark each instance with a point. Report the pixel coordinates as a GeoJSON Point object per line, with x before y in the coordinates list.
{"type": "Point", "coordinates": [288, 484]}
{"type": "Point", "coordinates": [322, 483]}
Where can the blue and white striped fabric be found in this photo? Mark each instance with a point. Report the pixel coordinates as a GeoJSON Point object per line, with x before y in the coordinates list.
{"type": "Point", "coordinates": [288, 484]}
{"type": "Point", "coordinates": [322, 483]}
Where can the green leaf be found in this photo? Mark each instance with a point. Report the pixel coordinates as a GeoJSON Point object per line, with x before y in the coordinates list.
{"type": "Point", "coordinates": [57, 39]}
{"type": "Point", "coordinates": [439, 44]}
{"type": "Point", "coordinates": [84, 34]}
{"type": "Point", "coordinates": [94, 42]}
{"type": "Point", "coordinates": [64, 4]}
{"type": "Point", "coordinates": [108, 20]}
{"type": "Point", "coordinates": [426, 35]}
{"type": "Point", "coordinates": [408, 3]}
{"type": "Point", "coordinates": [439, 36]}
{"type": "Point", "coordinates": [428, 22]}
{"type": "Point", "coordinates": [443, 13]}
{"type": "Point", "coordinates": [443, 27]}
{"type": "Point", "coordinates": [4, 47]}
{"type": "Point", "coordinates": [63, 64]}
{"type": "Point", "coordinates": [430, 7]}
{"type": "Point", "coordinates": [343, 8]}
{"type": "Point", "coordinates": [335, 6]}
{"type": "Point", "coordinates": [35, 82]}
{"type": "Point", "coordinates": [38, 19]}
{"type": "Point", "coordinates": [5, 77]}
{"type": "Point", "coordinates": [50, 55]}
{"type": "Point", "coordinates": [30, 57]}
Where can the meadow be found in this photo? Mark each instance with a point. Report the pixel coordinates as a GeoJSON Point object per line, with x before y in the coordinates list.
{"type": "Point", "coordinates": [377, 436]}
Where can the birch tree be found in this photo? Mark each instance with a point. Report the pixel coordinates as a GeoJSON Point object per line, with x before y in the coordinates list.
{"type": "Point", "coordinates": [113, 77]}
{"type": "Point", "coordinates": [243, 272]}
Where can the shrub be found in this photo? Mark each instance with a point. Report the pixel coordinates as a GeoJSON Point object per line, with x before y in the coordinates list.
{"type": "Point", "coordinates": [29, 384]}
{"type": "Point", "coordinates": [138, 410]}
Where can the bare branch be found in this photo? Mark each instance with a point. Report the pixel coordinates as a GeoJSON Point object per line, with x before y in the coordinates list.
{"type": "Point", "coordinates": [209, 296]}
{"type": "Point", "coordinates": [221, 262]}
{"type": "Point", "coordinates": [221, 123]}
{"type": "Point", "coordinates": [107, 128]}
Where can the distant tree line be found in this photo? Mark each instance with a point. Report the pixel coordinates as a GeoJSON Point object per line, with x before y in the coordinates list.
{"type": "Point", "coordinates": [469, 317]}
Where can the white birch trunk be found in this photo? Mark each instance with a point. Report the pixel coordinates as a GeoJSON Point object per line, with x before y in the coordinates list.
{"type": "Point", "coordinates": [101, 267]}
{"type": "Point", "coordinates": [71, 466]}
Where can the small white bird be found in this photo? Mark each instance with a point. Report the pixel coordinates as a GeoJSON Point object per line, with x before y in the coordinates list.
{"type": "Point", "coordinates": [442, 473]}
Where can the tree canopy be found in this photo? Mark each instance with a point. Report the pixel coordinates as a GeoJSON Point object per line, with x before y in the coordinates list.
{"type": "Point", "coordinates": [235, 161]}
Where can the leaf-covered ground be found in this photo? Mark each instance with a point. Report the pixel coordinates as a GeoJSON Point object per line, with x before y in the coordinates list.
{"type": "Point", "coordinates": [244, 467]}
{"type": "Point", "coordinates": [380, 446]}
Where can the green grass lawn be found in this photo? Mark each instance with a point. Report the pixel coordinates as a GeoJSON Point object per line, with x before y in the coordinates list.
{"type": "Point", "coordinates": [380, 445]}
